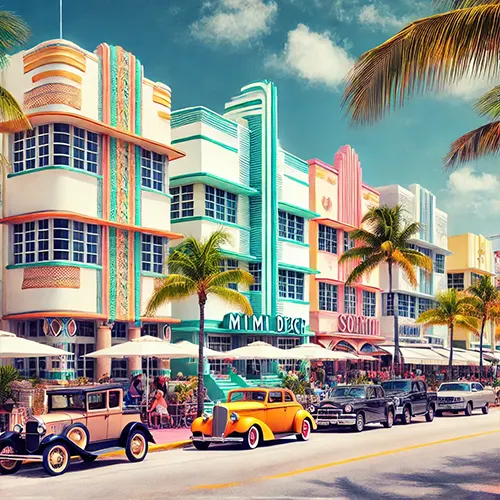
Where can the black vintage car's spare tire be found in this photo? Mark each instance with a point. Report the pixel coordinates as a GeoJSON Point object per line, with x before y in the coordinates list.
{"type": "Point", "coordinates": [9, 466]}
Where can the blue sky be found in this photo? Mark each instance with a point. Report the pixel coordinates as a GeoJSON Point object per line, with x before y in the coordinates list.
{"type": "Point", "coordinates": [206, 50]}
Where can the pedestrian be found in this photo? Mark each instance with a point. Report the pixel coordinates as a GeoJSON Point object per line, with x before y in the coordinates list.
{"type": "Point", "coordinates": [135, 390]}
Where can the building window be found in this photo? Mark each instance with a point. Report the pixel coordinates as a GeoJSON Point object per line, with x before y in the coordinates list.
{"type": "Point", "coordinates": [57, 144]}
{"type": "Point", "coordinates": [154, 366]}
{"type": "Point", "coordinates": [85, 366]}
{"type": "Point", "coordinates": [327, 239]}
{"type": "Point", "coordinates": [291, 226]}
{"type": "Point", "coordinates": [424, 305]}
{"type": "Point", "coordinates": [152, 170]}
{"type": "Point", "coordinates": [388, 304]}
{"type": "Point", "coordinates": [119, 369]}
{"type": "Point", "coordinates": [406, 305]}
{"type": "Point", "coordinates": [119, 331]}
{"type": "Point", "coordinates": [348, 242]}
{"type": "Point", "coordinates": [255, 269]}
{"type": "Point", "coordinates": [369, 303]}
{"type": "Point", "coordinates": [55, 239]}
{"type": "Point", "coordinates": [221, 205]}
{"type": "Point", "coordinates": [291, 285]}
{"type": "Point", "coordinates": [328, 297]}
{"type": "Point", "coordinates": [475, 277]}
{"type": "Point", "coordinates": [287, 343]}
{"type": "Point", "coordinates": [349, 300]}
{"type": "Point", "coordinates": [456, 280]}
{"type": "Point", "coordinates": [152, 329]}
{"type": "Point", "coordinates": [439, 263]}
{"type": "Point", "coordinates": [228, 265]}
{"type": "Point", "coordinates": [182, 202]}
{"type": "Point", "coordinates": [153, 253]}
{"type": "Point", "coordinates": [220, 343]}
{"type": "Point", "coordinates": [85, 329]}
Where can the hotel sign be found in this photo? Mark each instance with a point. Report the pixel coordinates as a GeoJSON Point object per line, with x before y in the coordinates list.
{"type": "Point", "coordinates": [264, 323]}
{"type": "Point", "coordinates": [361, 325]}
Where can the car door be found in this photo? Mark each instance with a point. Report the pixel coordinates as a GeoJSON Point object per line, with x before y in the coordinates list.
{"type": "Point", "coordinates": [114, 416]}
{"type": "Point", "coordinates": [423, 396]}
{"type": "Point", "coordinates": [276, 412]}
{"type": "Point", "coordinates": [416, 398]}
{"type": "Point", "coordinates": [291, 409]}
{"type": "Point", "coordinates": [382, 404]}
{"type": "Point", "coordinates": [372, 405]}
{"type": "Point", "coordinates": [97, 412]}
{"type": "Point", "coordinates": [480, 396]}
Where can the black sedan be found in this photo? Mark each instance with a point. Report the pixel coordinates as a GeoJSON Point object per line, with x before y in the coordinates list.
{"type": "Point", "coordinates": [355, 406]}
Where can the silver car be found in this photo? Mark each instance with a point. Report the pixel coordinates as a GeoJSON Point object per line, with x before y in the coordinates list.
{"type": "Point", "coordinates": [463, 396]}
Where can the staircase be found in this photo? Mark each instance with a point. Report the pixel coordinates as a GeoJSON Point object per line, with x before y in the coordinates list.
{"type": "Point", "coordinates": [266, 381]}
{"type": "Point", "coordinates": [208, 407]}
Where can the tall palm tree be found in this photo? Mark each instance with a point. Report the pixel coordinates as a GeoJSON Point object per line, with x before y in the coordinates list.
{"type": "Point", "coordinates": [13, 32]}
{"type": "Point", "coordinates": [194, 268]}
{"type": "Point", "coordinates": [486, 306]}
{"type": "Point", "coordinates": [387, 240]}
{"type": "Point", "coordinates": [453, 309]}
{"type": "Point", "coordinates": [431, 54]}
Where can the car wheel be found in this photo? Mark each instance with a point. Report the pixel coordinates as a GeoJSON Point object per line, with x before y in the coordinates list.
{"type": "Point", "coordinates": [486, 409]}
{"type": "Point", "coordinates": [305, 431]}
{"type": "Point", "coordinates": [468, 409]}
{"type": "Point", "coordinates": [360, 423]}
{"type": "Point", "coordinates": [79, 435]}
{"type": "Point", "coordinates": [137, 446]}
{"type": "Point", "coordinates": [429, 416]}
{"type": "Point", "coordinates": [55, 459]}
{"type": "Point", "coordinates": [252, 438]}
{"type": "Point", "coordinates": [9, 466]}
{"type": "Point", "coordinates": [406, 416]}
{"type": "Point", "coordinates": [201, 445]}
{"type": "Point", "coordinates": [390, 420]}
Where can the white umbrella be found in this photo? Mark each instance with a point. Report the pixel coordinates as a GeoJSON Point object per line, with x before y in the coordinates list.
{"type": "Point", "coordinates": [194, 350]}
{"type": "Point", "coordinates": [259, 350]}
{"type": "Point", "coordinates": [314, 352]}
{"type": "Point", "coordinates": [12, 346]}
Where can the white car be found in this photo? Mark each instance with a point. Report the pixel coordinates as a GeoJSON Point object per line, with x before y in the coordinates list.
{"type": "Point", "coordinates": [463, 396]}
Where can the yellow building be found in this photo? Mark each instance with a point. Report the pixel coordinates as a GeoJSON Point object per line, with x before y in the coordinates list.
{"type": "Point", "coordinates": [472, 258]}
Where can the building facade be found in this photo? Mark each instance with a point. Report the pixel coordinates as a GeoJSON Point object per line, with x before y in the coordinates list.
{"type": "Point", "coordinates": [419, 205]}
{"type": "Point", "coordinates": [237, 177]}
{"type": "Point", "coordinates": [472, 258]}
{"type": "Point", "coordinates": [86, 206]}
{"type": "Point", "coordinates": [342, 317]}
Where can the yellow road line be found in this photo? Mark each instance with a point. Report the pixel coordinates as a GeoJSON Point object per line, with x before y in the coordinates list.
{"type": "Point", "coordinates": [342, 462]}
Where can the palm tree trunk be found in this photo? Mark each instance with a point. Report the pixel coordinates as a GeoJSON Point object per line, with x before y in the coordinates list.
{"type": "Point", "coordinates": [394, 296]}
{"type": "Point", "coordinates": [201, 360]}
{"type": "Point", "coordinates": [450, 362]}
{"type": "Point", "coordinates": [481, 350]}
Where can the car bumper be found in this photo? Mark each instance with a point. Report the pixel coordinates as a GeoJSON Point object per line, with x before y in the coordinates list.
{"type": "Point", "coordinates": [21, 458]}
{"type": "Point", "coordinates": [343, 419]}
{"type": "Point", "coordinates": [451, 406]}
{"type": "Point", "coordinates": [211, 439]}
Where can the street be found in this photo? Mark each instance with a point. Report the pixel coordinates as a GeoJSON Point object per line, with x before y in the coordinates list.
{"type": "Point", "coordinates": [455, 456]}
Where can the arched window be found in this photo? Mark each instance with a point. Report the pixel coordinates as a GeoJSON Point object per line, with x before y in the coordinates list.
{"type": "Point", "coordinates": [344, 346]}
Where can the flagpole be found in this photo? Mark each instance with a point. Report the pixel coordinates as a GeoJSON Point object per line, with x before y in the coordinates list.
{"type": "Point", "coordinates": [60, 18]}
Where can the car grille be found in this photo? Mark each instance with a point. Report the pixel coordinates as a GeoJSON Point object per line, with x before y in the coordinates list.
{"type": "Point", "coordinates": [328, 411]}
{"type": "Point", "coordinates": [219, 420]}
{"type": "Point", "coordinates": [32, 436]}
{"type": "Point", "coordinates": [447, 399]}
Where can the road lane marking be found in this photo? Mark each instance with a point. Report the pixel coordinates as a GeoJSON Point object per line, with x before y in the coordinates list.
{"type": "Point", "coordinates": [342, 462]}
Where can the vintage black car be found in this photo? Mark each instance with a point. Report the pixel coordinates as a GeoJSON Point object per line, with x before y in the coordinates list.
{"type": "Point", "coordinates": [355, 406]}
{"type": "Point", "coordinates": [81, 421]}
{"type": "Point", "coordinates": [411, 399]}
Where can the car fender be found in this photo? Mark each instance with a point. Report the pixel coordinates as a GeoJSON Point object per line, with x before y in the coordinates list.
{"type": "Point", "coordinates": [134, 426]}
{"type": "Point", "coordinates": [59, 438]}
{"type": "Point", "coordinates": [299, 418]}
{"type": "Point", "coordinates": [13, 437]}
{"type": "Point", "coordinates": [243, 424]}
{"type": "Point", "coordinates": [199, 425]}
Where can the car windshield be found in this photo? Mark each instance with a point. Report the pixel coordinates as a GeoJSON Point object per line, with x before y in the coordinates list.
{"type": "Point", "coordinates": [397, 385]}
{"type": "Point", "coordinates": [455, 387]}
{"type": "Point", "coordinates": [349, 392]}
{"type": "Point", "coordinates": [247, 396]}
{"type": "Point", "coordinates": [66, 401]}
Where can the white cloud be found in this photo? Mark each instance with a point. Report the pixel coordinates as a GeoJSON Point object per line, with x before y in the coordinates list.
{"type": "Point", "coordinates": [235, 22]}
{"type": "Point", "coordinates": [314, 57]}
{"type": "Point", "coordinates": [468, 89]}
{"type": "Point", "coordinates": [380, 16]}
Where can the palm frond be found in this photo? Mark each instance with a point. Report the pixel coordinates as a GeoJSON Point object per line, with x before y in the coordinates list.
{"type": "Point", "coordinates": [480, 142]}
{"type": "Point", "coordinates": [182, 261]}
{"type": "Point", "coordinates": [13, 33]}
{"type": "Point", "coordinates": [429, 54]}
{"type": "Point", "coordinates": [468, 322]}
{"type": "Point", "coordinates": [461, 4]}
{"type": "Point", "coordinates": [171, 289]}
{"type": "Point", "coordinates": [369, 239]}
{"type": "Point", "coordinates": [406, 266]}
{"type": "Point", "coordinates": [409, 232]}
{"type": "Point", "coordinates": [231, 276]}
{"type": "Point", "coordinates": [210, 253]}
{"type": "Point", "coordinates": [433, 317]}
{"type": "Point", "coordinates": [358, 253]}
{"type": "Point", "coordinates": [233, 297]}
{"type": "Point", "coordinates": [489, 103]}
{"type": "Point", "coordinates": [417, 259]}
{"type": "Point", "coordinates": [11, 113]}
{"type": "Point", "coordinates": [365, 267]}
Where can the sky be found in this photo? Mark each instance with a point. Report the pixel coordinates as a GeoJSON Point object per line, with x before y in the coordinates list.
{"type": "Point", "coordinates": [206, 50]}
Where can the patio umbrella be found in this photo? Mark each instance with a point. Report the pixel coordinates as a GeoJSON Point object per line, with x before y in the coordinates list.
{"type": "Point", "coordinates": [259, 350]}
{"type": "Point", "coordinates": [194, 350]}
{"type": "Point", "coordinates": [12, 346]}
{"type": "Point", "coordinates": [314, 352]}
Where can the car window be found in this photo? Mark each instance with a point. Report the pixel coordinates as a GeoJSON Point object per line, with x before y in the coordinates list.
{"type": "Point", "coordinates": [66, 402]}
{"type": "Point", "coordinates": [114, 399]}
{"type": "Point", "coordinates": [478, 387]}
{"type": "Point", "coordinates": [370, 393]}
{"type": "Point", "coordinates": [379, 392]}
{"type": "Point", "coordinates": [288, 397]}
{"type": "Point", "coordinates": [275, 397]}
{"type": "Point", "coordinates": [422, 386]}
{"type": "Point", "coordinates": [454, 386]}
{"type": "Point", "coordinates": [96, 400]}
{"type": "Point", "coordinates": [415, 387]}
{"type": "Point", "coordinates": [247, 396]}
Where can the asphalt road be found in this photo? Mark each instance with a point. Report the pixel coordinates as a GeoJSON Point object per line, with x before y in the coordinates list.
{"type": "Point", "coordinates": [453, 457]}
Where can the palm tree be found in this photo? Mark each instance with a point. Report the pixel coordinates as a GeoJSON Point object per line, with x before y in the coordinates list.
{"type": "Point", "coordinates": [194, 268]}
{"type": "Point", "coordinates": [431, 54]}
{"type": "Point", "coordinates": [387, 241]}
{"type": "Point", "coordinates": [453, 309]}
{"type": "Point", "coordinates": [486, 306]}
{"type": "Point", "coordinates": [13, 32]}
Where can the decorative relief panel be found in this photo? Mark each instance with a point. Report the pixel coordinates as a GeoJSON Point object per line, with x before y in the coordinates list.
{"type": "Point", "coordinates": [51, 277]}
{"type": "Point", "coordinates": [53, 93]}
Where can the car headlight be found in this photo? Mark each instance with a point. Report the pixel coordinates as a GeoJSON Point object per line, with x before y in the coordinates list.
{"type": "Point", "coordinates": [205, 416]}
{"type": "Point", "coordinates": [397, 401]}
{"type": "Point", "coordinates": [41, 429]}
{"type": "Point", "coordinates": [234, 417]}
{"type": "Point", "coordinates": [312, 409]}
{"type": "Point", "coordinates": [459, 400]}
{"type": "Point", "coordinates": [347, 408]}
{"type": "Point", "coordinates": [18, 428]}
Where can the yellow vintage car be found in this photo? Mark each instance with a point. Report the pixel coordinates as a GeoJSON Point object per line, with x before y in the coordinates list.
{"type": "Point", "coordinates": [252, 416]}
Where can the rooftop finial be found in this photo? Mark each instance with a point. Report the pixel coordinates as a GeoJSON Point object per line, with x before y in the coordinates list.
{"type": "Point", "coordinates": [60, 18]}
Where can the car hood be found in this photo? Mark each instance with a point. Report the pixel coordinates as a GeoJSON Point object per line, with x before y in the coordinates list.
{"type": "Point", "coordinates": [242, 406]}
{"type": "Point", "coordinates": [62, 416]}
{"type": "Point", "coordinates": [339, 402]}
{"type": "Point", "coordinates": [453, 394]}
{"type": "Point", "coordinates": [396, 394]}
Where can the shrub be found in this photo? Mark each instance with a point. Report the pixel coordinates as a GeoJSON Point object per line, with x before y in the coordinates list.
{"type": "Point", "coordinates": [8, 375]}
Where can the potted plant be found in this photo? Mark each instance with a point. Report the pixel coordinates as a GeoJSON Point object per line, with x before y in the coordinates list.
{"type": "Point", "coordinates": [8, 375]}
